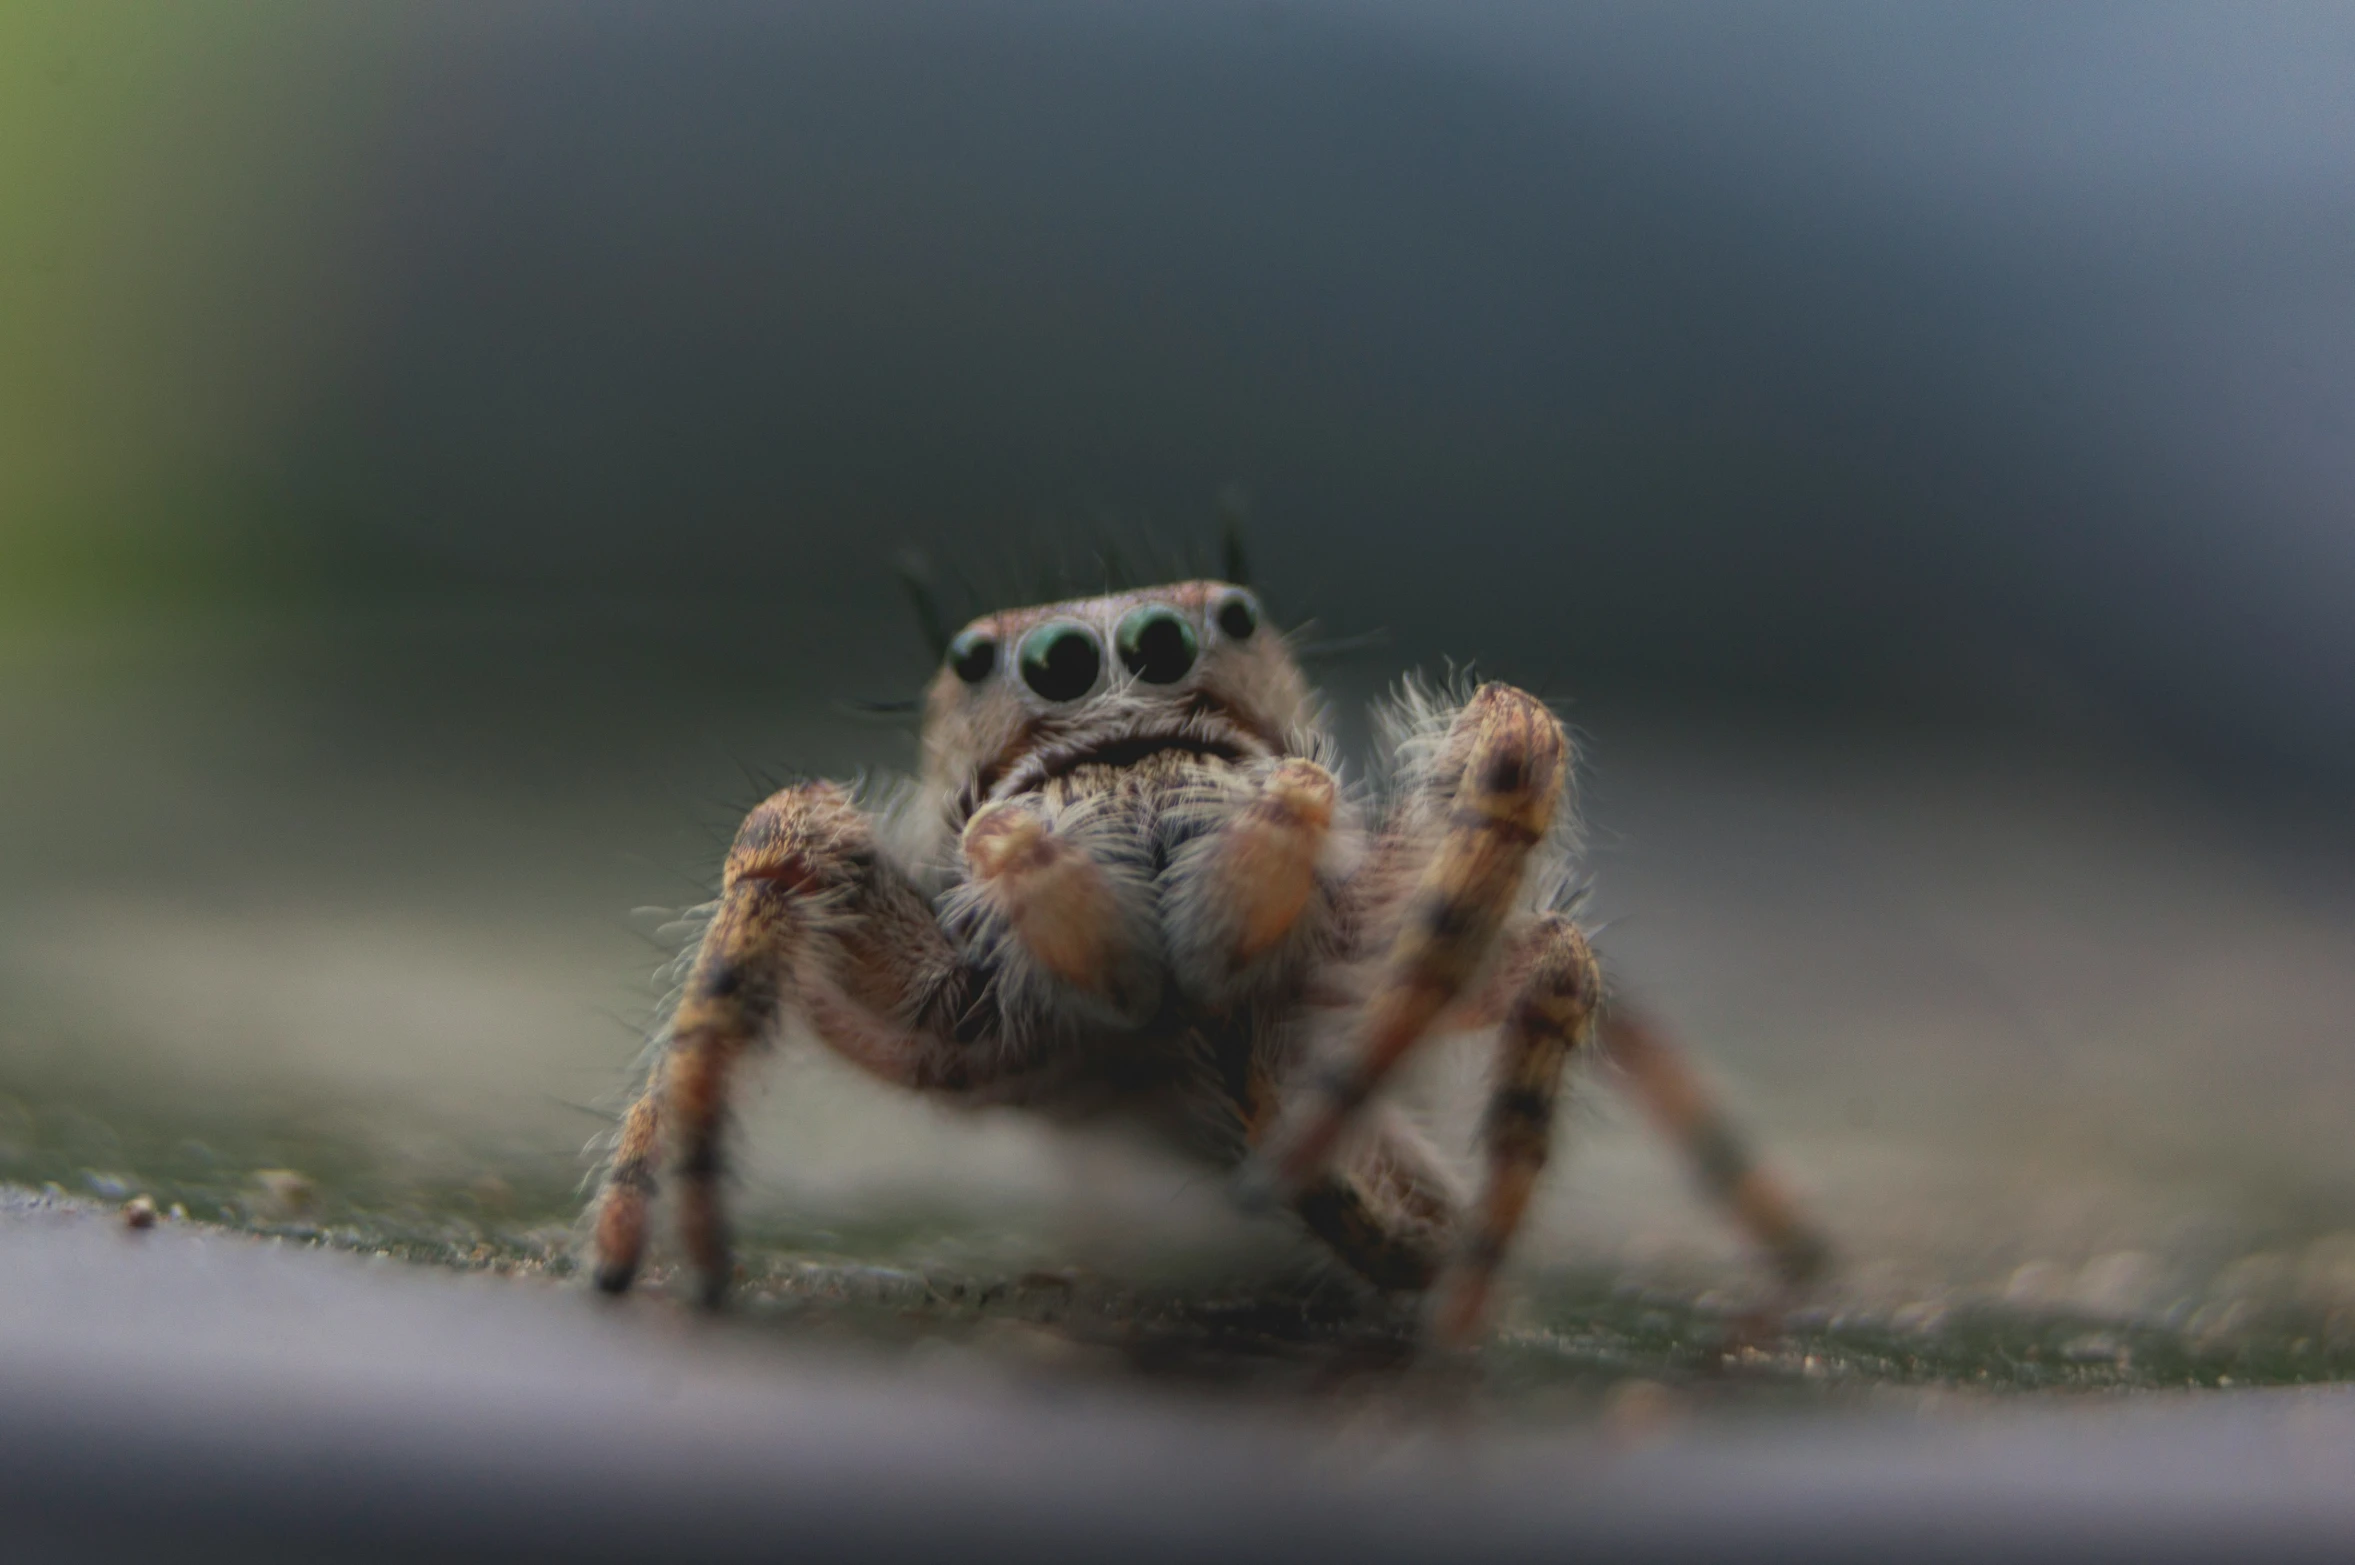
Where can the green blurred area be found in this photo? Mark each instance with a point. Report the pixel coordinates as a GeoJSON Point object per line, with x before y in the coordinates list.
{"type": "Point", "coordinates": [182, 257]}
{"type": "Point", "coordinates": [1819, 361]}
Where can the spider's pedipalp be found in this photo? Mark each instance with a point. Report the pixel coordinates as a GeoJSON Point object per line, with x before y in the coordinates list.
{"type": "Point", "coordinates": [1237, 896]}
{"type": "Point", "coordinates": [1051, 893]}
{"type": "Point", "coordinates": [1269, 867]}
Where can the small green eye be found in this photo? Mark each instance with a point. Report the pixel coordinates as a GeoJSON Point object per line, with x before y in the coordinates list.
{"type": "Point", "coordinates": [1238, 616]}
{"type": "Point", "coordinates": [1061, 661]}
{"type": "Point", "coordinates": [1156, 645]}
{"type": "Point", "coordinates": [973, 655]}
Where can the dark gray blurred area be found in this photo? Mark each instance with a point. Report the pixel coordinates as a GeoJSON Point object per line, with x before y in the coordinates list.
{"type": "Point", "coordinates": [1993, 362]}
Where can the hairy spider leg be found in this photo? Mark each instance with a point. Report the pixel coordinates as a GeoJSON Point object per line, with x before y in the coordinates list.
{"type": "Point", "coordinates": [1681, 1105]}
{"type": "Point", "coordinates": [1550, 1017]}
{"type": "Point", "coordinates": [1386, 1207]}
{"type": "Point", "coordinates": [811, 918]}
{"type": "Point", "coordinates": [1506, 763]}
{"type": "Point", "coordinates": [1677, 1100]}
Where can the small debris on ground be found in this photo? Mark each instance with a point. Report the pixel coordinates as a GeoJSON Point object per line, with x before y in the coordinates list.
{"type": "Point", "coordinates": [282, 1194]}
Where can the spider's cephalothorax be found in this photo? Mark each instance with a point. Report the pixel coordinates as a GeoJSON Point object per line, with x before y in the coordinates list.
{"type": "Point", "coordinates": [1132, 885]}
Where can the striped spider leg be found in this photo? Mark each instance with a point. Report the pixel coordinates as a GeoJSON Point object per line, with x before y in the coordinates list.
{"type": "Point", "coordinates": [813, 919]}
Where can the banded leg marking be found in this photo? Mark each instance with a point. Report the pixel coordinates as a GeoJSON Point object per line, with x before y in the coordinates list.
{"type": "Point", "coordinates": [799, 846]}
{"type": "Point", "coordinates": [1505, 788]}
{"type": "Point", "coordinates": [1552, 1016]}
{"type": "Point", "coordinates": [1683, 1109]}
{"type": "Point", "coordinates": [629, 1186]}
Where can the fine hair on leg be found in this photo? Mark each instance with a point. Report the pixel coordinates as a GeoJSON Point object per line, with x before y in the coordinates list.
{"type": "Point", "coordinates": [1492, 796]}
{"type": "Point", "coordinates": [815, 921]}
{"type": "Point", "coordinates": [1551, 1017]}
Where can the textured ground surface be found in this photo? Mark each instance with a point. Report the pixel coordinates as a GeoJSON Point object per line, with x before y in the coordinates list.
{"type": "Point", "coordinates": [187, 1394]}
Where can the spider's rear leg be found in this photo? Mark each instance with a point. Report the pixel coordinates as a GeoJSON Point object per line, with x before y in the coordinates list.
{"type": "Point", "coordinates": [1680, 1105]}
{"type": "Point", "coordinates": [1551, 1015]}
{"type": "Point", "coordinates": [1506, 763]}
{"type": "Point", "coordinates": [1673, 1093]}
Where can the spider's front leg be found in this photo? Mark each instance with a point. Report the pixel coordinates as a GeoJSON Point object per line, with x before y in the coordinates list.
{"type": "Point", "coordinates": [813, 917]}
{"type": "Point", "coordinates": [1496, 789]}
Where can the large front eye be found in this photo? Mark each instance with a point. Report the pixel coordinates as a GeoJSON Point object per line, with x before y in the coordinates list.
{"type": "Point", "coordinates": [1061, 661]}
{"type": "Point", "coordinates": [973, 655]}
{"type": "Point", "coordinates": [1156, 645]}
{"type": "Point", "coordinates": [1237, 615]}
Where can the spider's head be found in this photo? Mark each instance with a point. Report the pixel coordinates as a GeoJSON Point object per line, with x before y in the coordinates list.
{"type": "Point", "coordinates": [1028, 695]}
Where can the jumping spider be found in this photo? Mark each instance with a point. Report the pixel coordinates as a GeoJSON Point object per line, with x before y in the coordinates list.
{"type": "Point", "coordinates": [1131, 884]}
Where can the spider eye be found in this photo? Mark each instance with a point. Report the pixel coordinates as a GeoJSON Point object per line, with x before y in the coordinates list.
{"type": "Point", "coordinates": [973, 655]}
{"type": "Point", "coordinates": [1156, 645]}
{"type": "Point", "coordinates": [1238, 616]}
{"type": "Point", "coordinates": [1061, 661]}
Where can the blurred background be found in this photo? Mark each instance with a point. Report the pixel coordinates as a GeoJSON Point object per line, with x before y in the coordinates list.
{"type": "Point", "coordinates": [451, 454]}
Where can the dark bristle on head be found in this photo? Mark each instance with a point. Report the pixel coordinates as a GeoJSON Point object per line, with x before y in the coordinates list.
{"type": "Point", "coordinates": [916, 576]}
{"type": "Point", "coordinates": [1048, 562]}
{"type": "Point", "coordinates": [1117, 576]}
{"type": "Point", "coordinates": [1233, 565]}
{"type": "Point", "coordinates": [905, 706]}
{"type": "Point", "coordinates": [1339, 649]}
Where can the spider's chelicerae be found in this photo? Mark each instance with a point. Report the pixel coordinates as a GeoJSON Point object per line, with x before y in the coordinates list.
{"type": "Point", "coordinates": [1131, 885]}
